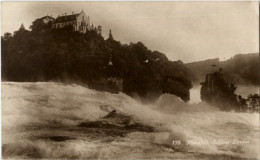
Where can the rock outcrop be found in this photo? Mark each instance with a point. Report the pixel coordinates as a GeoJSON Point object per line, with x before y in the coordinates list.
{"type": "Point", "coordinates": [116, 124]}
{"type": "Point", "coordinates": [216, 91]}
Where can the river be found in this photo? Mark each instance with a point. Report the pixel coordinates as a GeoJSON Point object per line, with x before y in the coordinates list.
{"type": "Point", "coordinates": [41, 120]}
{"type": "Point", "coordinates": [243, 90]}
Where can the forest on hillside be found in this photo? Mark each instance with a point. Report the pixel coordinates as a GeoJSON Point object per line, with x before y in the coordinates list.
{"type": "Point", "coordinates": [240, 69]}
{"type": "Point", "coordinates": [45, 54]}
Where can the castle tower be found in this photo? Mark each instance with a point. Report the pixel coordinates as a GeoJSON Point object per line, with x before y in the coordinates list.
{"type": "Point", "coordinates": [22, 28]}
{"type": "Point", "coordinates": [110, 35]}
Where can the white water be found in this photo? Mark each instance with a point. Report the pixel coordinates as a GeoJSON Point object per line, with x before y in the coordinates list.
{"type": "Point", "coordinates": [195, 94]}
{"type": "Point", "coordinates": [31, 111]}
{"type": "Point", "coordinates": [243, 90]}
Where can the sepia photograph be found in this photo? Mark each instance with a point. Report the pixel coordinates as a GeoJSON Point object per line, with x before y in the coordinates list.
{"type": "Point", "coordinates": [130, 80]}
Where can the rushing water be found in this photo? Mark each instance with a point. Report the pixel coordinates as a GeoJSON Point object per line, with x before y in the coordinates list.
{"type": "Point", "coordinates": [40, 120]}
{"type": "Point", "coordinates": [195, 95]}
{"type": "Point", "coordinates": [243, 90]}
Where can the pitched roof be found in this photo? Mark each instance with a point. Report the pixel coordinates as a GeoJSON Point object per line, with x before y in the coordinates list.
{"type": "Point", "coordinates": [22, 27]}
{"type": "Point", "coordinates": [66, 18]}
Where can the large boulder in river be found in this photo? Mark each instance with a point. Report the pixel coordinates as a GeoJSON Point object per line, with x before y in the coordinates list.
{"type": "Point", "coordinates": [116, 124]}
{"type": "Point", "coordinates": [216, 91]}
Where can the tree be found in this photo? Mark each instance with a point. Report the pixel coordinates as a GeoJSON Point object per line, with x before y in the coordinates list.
{"type": "Point", "coordinates": [7, 36]}
{"type": "Point", "coordinates": [38, 25]}
{"type": "Point", "coordinates": [254, 101]}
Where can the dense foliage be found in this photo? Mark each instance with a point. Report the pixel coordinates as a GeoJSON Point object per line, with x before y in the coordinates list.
{"type": "Point", "coordinates": [251, 103]}
{"type": "Point", "coordinates": [44, 54]}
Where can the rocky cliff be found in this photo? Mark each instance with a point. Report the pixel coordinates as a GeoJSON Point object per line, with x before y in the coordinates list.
{"type": "Point", "coordinates": [216, 91]}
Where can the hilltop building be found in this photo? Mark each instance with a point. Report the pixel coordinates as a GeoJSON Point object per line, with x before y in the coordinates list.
{"type": "Point", "coordinates": [79, 21]}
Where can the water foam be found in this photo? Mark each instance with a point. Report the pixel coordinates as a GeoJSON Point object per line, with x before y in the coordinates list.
{"type": "Point", "coordinates": [32, 110]}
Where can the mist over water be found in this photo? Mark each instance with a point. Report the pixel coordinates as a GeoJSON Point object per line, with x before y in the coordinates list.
{"type": "Point", "coordinates": [40, 120]}
{"type": "Point", "coordinates": [195, 94]}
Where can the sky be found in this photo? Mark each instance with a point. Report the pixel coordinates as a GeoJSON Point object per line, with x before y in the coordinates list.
{"type": "Point", "coordinates": [186, 31]}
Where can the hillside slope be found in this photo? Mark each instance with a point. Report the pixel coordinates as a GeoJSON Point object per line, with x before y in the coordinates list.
{"type": "Point", "coordinates": [63, 55]}
{"type": "Point", "coordinates": [240, 69]}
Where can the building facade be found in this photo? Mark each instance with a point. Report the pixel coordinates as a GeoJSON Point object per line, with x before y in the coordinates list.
{"type": "Point", "coordinates": [79, 21]}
